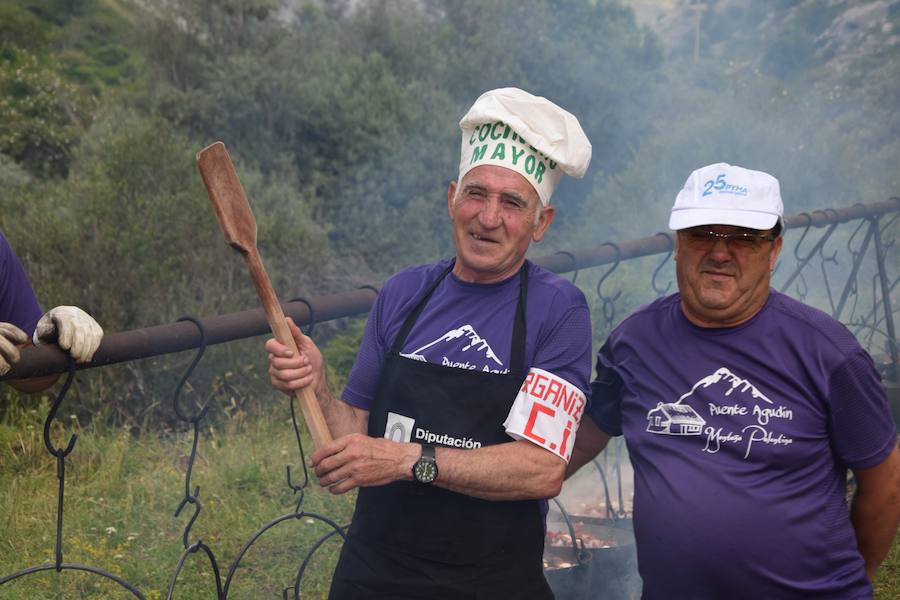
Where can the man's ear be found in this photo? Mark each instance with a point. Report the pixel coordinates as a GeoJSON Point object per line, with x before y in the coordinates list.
{"type": "Point", "coordinates": [776, 250]}
{"type": "Point", "coordinates": [543, 224]}
{"type": "Point", "coordinates": [451, 193]}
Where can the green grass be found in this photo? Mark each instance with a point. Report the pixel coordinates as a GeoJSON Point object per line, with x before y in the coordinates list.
{"type": "Point", "coordinates": [887, 580]}
{"type": "Point", "coordinates": [122, 492]}
{"type": "Point", "coordinates": [120, 498]}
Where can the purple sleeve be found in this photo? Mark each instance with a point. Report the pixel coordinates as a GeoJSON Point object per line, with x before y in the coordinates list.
{"type": "Point", "coordinates": [363, 379]}
{"type": "Point", "coordinates": [396, 298]}
{"type": "Point", "coordinates": [18, 304]}
{"type": "Point", "coordinates": [566, 349]}
{"type": "Point", "coordinates": [862, 429]}
{"type": "Point", "coordinates": [605, 407]}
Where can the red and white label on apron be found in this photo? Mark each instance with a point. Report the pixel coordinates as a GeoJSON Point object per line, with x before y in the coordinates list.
{"type": "Point", "coordinates": [546, 412]}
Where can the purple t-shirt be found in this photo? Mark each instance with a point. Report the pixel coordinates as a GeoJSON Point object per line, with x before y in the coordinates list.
{"type": "Point", "coordinates": [18, 304]}
{"type": "Point", "coordinates": [740, 440]}
{"type": "Point", "coordinates": [469, 326]}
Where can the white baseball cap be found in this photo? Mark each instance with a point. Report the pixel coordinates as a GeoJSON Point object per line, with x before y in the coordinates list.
{"type": "Point", "coordinates": [723, 194]}
{"type": "Point", "coordinates": [528, 134]}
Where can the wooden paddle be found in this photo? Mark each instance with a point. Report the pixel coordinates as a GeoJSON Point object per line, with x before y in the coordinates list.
{"type": "Point", "coordinates": [239, 226]}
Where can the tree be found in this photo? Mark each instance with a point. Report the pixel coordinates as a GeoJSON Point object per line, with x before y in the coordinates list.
{"type": "Point", "coordinates": [42, 116]}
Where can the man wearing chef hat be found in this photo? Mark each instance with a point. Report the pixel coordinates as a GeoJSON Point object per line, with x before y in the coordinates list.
{"type": "Point", "coordinates": [743, 410]}
{"type": "Point", "coordinates": [460, 412]}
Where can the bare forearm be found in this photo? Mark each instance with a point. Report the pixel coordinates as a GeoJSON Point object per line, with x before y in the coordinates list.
{"type": "Point", "coordinates": [33, 385]}
{"type": "Point", "coordinates": [9, 353]}
{"type": "Point", "coordinates": [589, 441]}
{"type": "Point", "coordinates": [511, 471]}
{"type": "Point", "coordinates": [873, 539]}
{"type": "Point", "coordinates": [875, 522]}
{"type": "Point", "coordinates": [342, 418]}
{"type": "Point", "coordinates": [875, 511]}
{"type": "Point", "coordinates": [290, 371]}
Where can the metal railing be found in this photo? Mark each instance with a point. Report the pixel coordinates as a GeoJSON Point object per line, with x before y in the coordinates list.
{"type": "Point", "coordinates": [871, 318]}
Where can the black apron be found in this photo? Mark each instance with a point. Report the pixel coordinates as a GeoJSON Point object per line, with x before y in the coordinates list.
{"type": "Point", "coordinates": [409, 540]}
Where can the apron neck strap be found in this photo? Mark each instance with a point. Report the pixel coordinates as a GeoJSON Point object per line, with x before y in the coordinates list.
{"type": "Point", "coordinates": [417, 310]}
{"type": "Point", "coordinates": [517, 344]}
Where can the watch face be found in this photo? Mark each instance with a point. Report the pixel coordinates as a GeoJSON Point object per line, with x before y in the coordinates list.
{"type": "Point", "coordinates": [425, 471]}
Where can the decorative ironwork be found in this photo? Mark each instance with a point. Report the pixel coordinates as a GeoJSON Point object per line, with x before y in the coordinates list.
{"type": "Point", "coordinates": [608, 303]}
{"type": "Point", "coordinates": [190, 498]}
{"type": "Point", "coordinates": [875, 327]}
{"type": "Point", "coordinates": [664, 262]}
{"type": "Point", "coordinates": [60, 454]}
{"type": "Point", "coordinates": [310, 311]}
{"type": "Point", "coordinates": [175, 337]}
{"type": "Point", "coordinates": [574, 268]}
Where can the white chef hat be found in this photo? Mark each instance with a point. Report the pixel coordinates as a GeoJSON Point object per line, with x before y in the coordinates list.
{"type": "Point", "coordinates": [723, 194]}
{"type": "Point", "coordinates": [528, 134]}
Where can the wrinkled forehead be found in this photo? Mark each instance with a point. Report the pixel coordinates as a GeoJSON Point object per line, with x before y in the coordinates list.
{"type": "Point", "coordinates": [500, 180]}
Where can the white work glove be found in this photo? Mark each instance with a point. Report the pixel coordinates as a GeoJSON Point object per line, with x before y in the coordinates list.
{"type": "Point", "coordinates": [72, 329]}
{"type": "Point", "coordinates": [11, 337]}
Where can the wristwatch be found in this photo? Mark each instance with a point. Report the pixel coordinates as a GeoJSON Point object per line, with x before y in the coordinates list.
{"type": "Point", "coordinates": [425, 470]}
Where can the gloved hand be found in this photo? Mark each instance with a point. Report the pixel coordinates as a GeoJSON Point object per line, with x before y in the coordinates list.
{"type": "Point", "coordinates": [72, 329]}
{"type": "Point", "coordinates": [11, 337]}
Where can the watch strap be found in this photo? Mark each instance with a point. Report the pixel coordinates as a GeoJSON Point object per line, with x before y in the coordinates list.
{"type": "Point", "coordinates": [428, 452]}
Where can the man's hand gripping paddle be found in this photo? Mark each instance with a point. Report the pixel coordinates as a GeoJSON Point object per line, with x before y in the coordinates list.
{"type": "Point", "coordinates": [239, 226]}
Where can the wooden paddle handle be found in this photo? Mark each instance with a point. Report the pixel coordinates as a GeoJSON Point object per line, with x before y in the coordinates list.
{"type": "Point", "coordinates": [239, 226]}
{"type": "Point", "coordinates": [309, 405]}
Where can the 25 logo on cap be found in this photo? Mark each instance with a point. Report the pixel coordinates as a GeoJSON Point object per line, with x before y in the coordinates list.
{"type": "Point", "coordinates": [723, 187]}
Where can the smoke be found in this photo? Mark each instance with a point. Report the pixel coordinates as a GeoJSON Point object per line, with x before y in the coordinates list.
{"type": "Point", "coordinates": [598, 502]}
{"type": "Point", "coordinates": [800, 90]}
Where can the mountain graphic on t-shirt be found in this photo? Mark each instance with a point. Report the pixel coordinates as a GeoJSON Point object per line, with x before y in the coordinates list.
{"type": "Point", "coordinates": [675, 418]}
{"type": "Point", "coordinates": [456, 341]}
{"type": "Point", "coordinates": [730, 382]}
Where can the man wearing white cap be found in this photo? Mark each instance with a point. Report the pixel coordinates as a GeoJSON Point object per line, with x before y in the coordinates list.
{"type": "Point", "coordinates": [742, 410]}
{"type": "Point", "coordinates": [461, 410]}
{"type": "Point", "coordinates": [22, 323]}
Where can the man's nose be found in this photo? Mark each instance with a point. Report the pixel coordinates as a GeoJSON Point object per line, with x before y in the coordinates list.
{"type": "Point", "coordinates": [720, 252]}
{"type": "Point", "coordinates": [490, 213]}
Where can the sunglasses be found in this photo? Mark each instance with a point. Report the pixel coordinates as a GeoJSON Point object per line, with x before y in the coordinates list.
{"type": "Point", "coordinates": [703, 239]}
